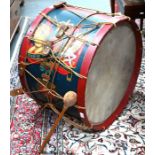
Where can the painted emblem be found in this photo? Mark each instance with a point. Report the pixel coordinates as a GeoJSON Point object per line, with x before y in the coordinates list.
{"type": "Point", "coordinates": [43, 34]}
{"type": "Point", "coordinates": [69, 55]}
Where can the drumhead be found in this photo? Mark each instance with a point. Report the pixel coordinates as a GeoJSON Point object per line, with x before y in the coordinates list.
{"type": "Point", "coordinates": [110, 73]}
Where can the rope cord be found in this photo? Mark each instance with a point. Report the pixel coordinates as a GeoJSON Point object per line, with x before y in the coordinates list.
{"type": "Point", "coordinates": [56, 58]}
{"type": "Point", "coordinates": [52, 92]}
{"type": "Point", "coordinates": [63, 47]}
{"type": "Point", "coordinates": [99, 12]}
{"type": "Point", "coordinates": [62, 51]}
{"type": "Point", "coordinates": [67, 67]}
{"type": "Point", "coordinates": [78, 125]}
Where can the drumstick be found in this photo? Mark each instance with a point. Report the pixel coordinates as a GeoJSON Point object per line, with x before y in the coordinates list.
{"type": "Point", "coordinates": [69, 100]}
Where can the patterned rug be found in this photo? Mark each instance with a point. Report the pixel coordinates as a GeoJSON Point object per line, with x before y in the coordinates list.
{"type": "Point", "coordinates": [126, 136]}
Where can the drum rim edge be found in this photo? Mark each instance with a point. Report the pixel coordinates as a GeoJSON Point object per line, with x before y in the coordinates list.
{"type": "Point", "coordinates": [81, 86]}
{"type": "Point", "coordinates": [132, 82]}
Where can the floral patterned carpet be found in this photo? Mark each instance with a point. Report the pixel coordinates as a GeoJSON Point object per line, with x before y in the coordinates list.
{"type": "Point", "coordinates": [126, 136]}
{"type": "Point", "coordinates": [28, 127]}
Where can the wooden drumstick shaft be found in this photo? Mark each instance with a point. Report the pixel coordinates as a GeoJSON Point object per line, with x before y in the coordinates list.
{"type": "Point", "coordinates": [69, 100]}
{"type": "Point", "coordinates": [53, 128]}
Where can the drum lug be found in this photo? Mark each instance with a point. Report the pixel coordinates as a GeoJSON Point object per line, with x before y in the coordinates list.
{"type": "Point", "coordinates": [59, 5]}
{"type": "Point", "coordinates": [61, 31]}
{"type": "Point", "coordinates": [15, 92]}
{"type": "Point", "coordinates": [22, 67]}
{"type": "Point", "coordinates": [69, 77]}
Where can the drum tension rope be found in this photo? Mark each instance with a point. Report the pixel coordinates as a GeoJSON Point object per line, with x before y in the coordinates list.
{"type": "Point", "coordinates": [61, 34]}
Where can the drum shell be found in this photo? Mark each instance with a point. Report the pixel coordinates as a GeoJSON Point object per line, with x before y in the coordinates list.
{"type": "Point", "coordinates": [83, 64]}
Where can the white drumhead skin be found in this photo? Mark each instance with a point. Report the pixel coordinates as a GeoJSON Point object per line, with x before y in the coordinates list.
{"type": "Point", "coordinates": [109, 74]}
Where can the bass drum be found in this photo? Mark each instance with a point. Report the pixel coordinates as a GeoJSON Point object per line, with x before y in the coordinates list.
{"type": "Point", "coordinates": [92, 53]}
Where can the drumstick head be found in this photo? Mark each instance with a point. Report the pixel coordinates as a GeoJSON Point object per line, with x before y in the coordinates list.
{"type": "Point", "coordinates": [70, 98]}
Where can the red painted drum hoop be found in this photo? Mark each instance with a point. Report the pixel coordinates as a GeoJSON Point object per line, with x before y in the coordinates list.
{"type": "Point", "coordinates": [85, 69]}
{"type": "Point", "coordinates": [86, 65]}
